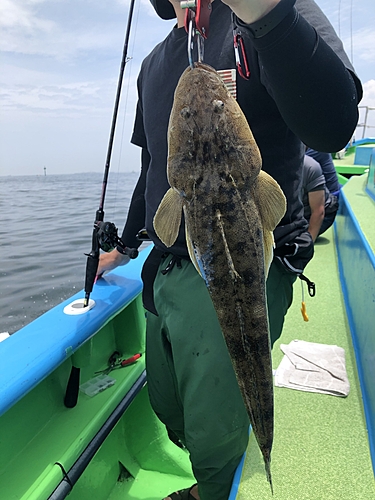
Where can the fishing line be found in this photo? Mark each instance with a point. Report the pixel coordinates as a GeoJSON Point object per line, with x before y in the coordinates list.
{"type": "Point", "coordinates": [130, 65]}
{"type": "Point", "coordinates": [351, 32]}
{"type": "Point", "coordinates": [350, 28]}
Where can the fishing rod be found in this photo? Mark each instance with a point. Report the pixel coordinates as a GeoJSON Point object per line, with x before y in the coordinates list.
{"type": "Point", "coordinates": [104, 234]}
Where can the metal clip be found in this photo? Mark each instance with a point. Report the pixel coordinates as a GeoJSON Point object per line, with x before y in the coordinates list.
{"type": "Point", "coordinates": [193, 34]}
{"type": "Point", "coordinates": [239, 51]}
{"type": "Point", "coordinates": [310, 285]}
{"type": "Point", "coordinates": [196, 25]}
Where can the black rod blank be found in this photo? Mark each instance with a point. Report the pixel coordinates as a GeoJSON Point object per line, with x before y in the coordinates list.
{"type": "Point", "coordinates": [93, 256]}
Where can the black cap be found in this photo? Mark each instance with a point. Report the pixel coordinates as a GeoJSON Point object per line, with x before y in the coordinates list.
{"type": "Point", "coordinates": [164, 9]}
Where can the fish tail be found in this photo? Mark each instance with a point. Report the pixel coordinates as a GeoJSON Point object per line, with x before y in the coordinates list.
{"type": "Point", "coordinates": [267, 465]}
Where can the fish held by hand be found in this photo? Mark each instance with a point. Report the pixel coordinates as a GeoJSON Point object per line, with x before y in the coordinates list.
{"type": "Point", "coordinates": [231, 208]}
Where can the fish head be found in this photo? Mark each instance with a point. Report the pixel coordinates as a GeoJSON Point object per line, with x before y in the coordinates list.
{"type": "Point", "coordinates": [208, 134]}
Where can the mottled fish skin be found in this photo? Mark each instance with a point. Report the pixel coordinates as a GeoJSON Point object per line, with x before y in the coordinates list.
{"type": "Point", "coordinates": [214, 166]}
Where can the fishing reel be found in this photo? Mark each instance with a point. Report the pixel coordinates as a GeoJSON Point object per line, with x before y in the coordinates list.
{"type": "Point", "coordinates": [108, 239]}
{"type": "Point", "coordinates": [107, 235]}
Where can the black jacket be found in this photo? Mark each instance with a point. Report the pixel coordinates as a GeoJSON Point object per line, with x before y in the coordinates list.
{"type": "Point", "coordinates": [302, 89]}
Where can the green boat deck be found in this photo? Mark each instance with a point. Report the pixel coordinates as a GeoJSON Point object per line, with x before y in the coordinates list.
{"type": "Point", "coordinates": [321, 449]}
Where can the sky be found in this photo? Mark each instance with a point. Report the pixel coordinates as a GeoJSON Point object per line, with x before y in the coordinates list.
{"type": "Point", "coordinates": [59, 68]}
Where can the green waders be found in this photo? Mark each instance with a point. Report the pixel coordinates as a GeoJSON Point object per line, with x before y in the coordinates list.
{"type": "Point", "coordinates": [191, 382]}
{"type": "Point", "coordinates": [279, 297]}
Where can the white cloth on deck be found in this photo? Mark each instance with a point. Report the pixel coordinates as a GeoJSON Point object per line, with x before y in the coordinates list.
{"type": "Point", "coordinates": [307, 366]}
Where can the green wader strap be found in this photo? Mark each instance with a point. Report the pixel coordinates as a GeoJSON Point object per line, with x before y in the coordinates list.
{"type": "Point", "coordinates": [149, 271]}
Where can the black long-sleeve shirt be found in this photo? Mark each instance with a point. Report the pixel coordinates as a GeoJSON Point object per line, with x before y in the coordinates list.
{"type": "Point", "coordinates": [302, 89]}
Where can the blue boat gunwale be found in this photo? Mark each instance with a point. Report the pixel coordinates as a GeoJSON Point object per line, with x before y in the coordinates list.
{"type": "Point", "coordinates": [358, 229]}
{"type": "Point", "coordinates": [362, 369]}
{"type": "Point", "coordinates": [46, 342]}
{"type": "Point", "coordinates": [359, 142]}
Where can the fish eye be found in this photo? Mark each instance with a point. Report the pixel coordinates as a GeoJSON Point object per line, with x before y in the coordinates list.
{"type": "Point", "coordinates": [218, 106]}
{"type": "Point", "coordinates": [185, 112]}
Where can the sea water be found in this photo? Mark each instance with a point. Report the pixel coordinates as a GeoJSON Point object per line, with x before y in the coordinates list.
{"type": "Point", "coordinates": [45, 230]}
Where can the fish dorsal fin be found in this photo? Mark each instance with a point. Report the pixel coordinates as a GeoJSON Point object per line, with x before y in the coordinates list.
{"type": "Point", "coordinates": [167, 219]}
{"type": "Point", "coordinates": [271, 201]}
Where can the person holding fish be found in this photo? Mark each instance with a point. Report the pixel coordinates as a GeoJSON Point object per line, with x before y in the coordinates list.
{"type": "Point", "coordinates": [219, 188]}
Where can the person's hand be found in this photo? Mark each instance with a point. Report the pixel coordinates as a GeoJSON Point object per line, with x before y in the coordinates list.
{"type": "Point", "coordinates": [250, 11]}
{"type": "Point", "coordinates": [111, 260]}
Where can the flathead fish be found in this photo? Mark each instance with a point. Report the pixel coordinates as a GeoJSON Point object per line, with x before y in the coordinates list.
{"type": "Point", "coordinates": [230, 208]}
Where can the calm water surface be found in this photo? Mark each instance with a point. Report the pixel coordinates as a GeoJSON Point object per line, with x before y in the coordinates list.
{"type": "Point", "coordinates": [46, 228]}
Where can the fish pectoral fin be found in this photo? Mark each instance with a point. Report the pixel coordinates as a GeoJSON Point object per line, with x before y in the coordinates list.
{"type": "Point", "coordinates": [270, 200]}
{"type": "Point", "coordinates": [167, 219]}
{"type": "Point", "coordinates": [268, 244]}
{"type": "Point", "coordinates": [191, 251]}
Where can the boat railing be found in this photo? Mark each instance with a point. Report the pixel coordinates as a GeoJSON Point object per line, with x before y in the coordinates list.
{"type": "Point", "coordinates": [364, 124]}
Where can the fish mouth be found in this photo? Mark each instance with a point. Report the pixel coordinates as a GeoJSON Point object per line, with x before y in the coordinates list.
{"type": "Point", "coordinates": [200, 65]}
